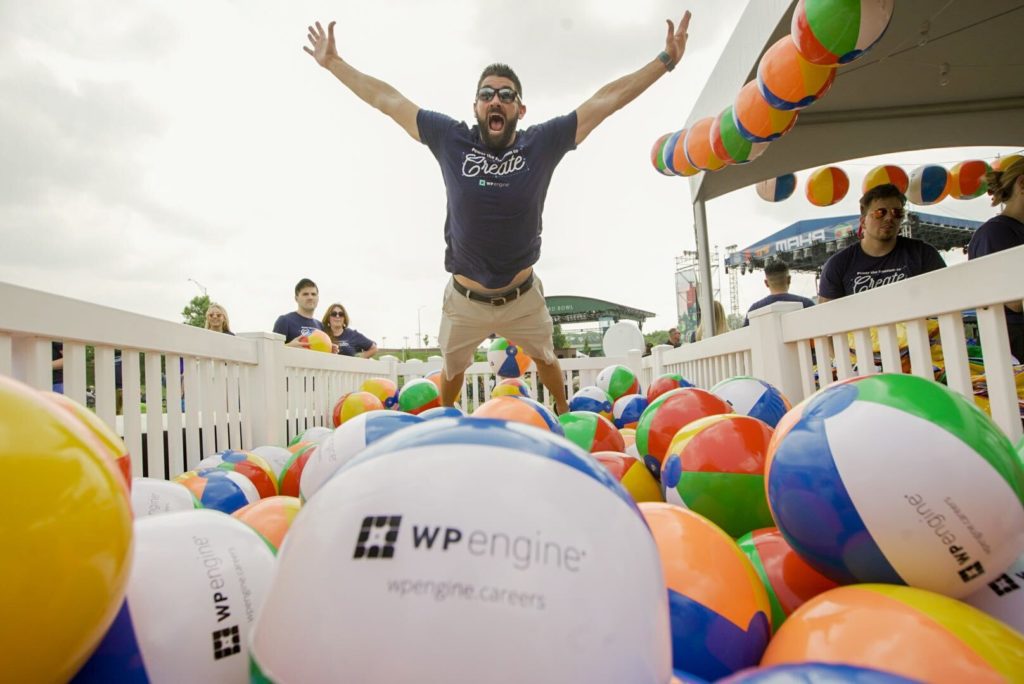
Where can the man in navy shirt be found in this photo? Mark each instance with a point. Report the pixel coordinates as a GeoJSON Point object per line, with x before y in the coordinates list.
{"type": "Point", "coordinates": [496, 179]}
{"type": "Point", "coordinates": [777, 280]}
{"type": "Point", "coordinates": [297, 325]}
{"type": "Point", "coordinates": [882, 256]}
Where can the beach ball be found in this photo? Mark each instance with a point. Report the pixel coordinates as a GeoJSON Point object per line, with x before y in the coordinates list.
{"type": "Point", "coordinates": [697, 146]}
{"type": "Point", "coordinates": [911, 632]}
{"type": "Point", "coordinates": [222, 490]}
{"type": "Point", "coordinates": [320, 341]}
{"type": "Point", "coordinates": [384, 389]}
{"type": "Point", "coordinates": [496, 575]}
{"type": "Point", "coordinates": [315, 434]}
{"type": "Point", "coordinates": [815, 673]}
{"type": "Point", "coordinates": [67, 537]}
{"type": "Point", "coordinates": [658, 156]}
{"type": "Point", "coordinates": [113, 445]}
{"type": "Point", "coordinates": [752, 397]}
{"type": "Point", "coordinates": [675, 155]}
{"type": "Point", "coordinates": [886, 174]}
{"type": "Point", "coordinates": [275, 456]}
{"type": "Point", "coordinates": [826, 186]}
{"type": "Point", "coordinates": [355, 403]}
{"type": "Point", "coordinates": [716, 464]}
{"type": "Point", "coordinates": [516, 387]}
{"type": "Point", "coordinates": [291, 474]}
{"type": "Point", "coordinates": [664, 383]}
{"type": "Point", "coordinates": [591, 432]}
{"type": "Point", "coordinates": [1004, 163]}
{"type": "Point", "coordinates": [627, 409]}
{"type": "Point", "coordinates": [838, 31]}
{"type": "Point", "coordinates": [776, 189]}
{"type": "Point", "coordinates": [895, 478]}
{"type": "Point", "coordinates": [418, 395]}
{"type": "Point", "coordinates": [617, 380]}
{"type": "Point", "coordinates": [249, 464]}
{"type": "Point", "coordinates": [788, 579]}
{"type": "Point", "coordinates": [151, 496]}
{"type": "Point", "coordinates": [508, 360]}
{"type": "Point", "coordinates": [632, 474]}
{"type": "Point", "coordinates": [1003, 597]}
{"type": "Point", "coordinates": [727, 143]}
{"type": "Point", "coordinates": [929, 184]}
{"type": "Point", "coordinates": [441, 412]}
{"type": "Point", "coordinates": [787, 80]}
{"type": "Point", "coordinates": [270, 518]}
{"type": "Point", "coordinates": [967, 179]}
{"type": "Point", "coordinates": [520, 410]}
{"type": "Point", "coordinates": [758, 121]}
{"type": "Point", "coordinates": [718, 608]}
{"type": "Point", "coordinates": [592, 398]}
{"type": "Point", "coordinates": [628, 436]}
{"type": "Point", "coordinates": [346, 443]}
{"type": "Point", "coordinates": [666, 415]}
{"type": "Point", "coordinates": [198, 581]}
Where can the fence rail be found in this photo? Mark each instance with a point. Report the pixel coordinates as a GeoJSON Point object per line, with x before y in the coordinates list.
{"type": "Point", "coordinates": [217, 391]}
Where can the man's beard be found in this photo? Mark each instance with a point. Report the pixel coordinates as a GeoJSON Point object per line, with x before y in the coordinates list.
{"type": "Point", "coordinates": [500, 140]}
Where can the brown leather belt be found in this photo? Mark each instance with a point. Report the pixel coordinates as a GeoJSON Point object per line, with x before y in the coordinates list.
{"type": "Point", "coordinates": [499, 299]}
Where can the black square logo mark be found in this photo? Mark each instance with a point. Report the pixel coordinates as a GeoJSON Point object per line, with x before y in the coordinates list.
{"type": "Point", "coordinates": [972, 571]}
{"type": "Point", "coordinates": [1003, 585]}
{"type": "Point", "coordinates": [377, 536]}
{"type": "Point", "coordinates": [226, 642]}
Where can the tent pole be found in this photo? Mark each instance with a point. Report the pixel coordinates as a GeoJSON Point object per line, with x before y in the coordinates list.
{"type": "Point", "coordinates": [705, 293]}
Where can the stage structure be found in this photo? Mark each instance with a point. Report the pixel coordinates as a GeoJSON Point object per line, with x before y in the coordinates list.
{"type": "Point", "coordinates": [688, 288]}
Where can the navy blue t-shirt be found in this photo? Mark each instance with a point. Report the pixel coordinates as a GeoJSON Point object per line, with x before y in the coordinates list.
{"type": "Point", "coordinates": [995, 235]}
{"type": "Point", "coordinates": [851, 270]}
{"type": "Point", "coordinates": [772, 298]}
{"type": "Point", "coordinates": [495, 198]}
{"type": "Point", "coordinates": [352, 342]}
{"type": "Point", "coordinates": [293, 325]}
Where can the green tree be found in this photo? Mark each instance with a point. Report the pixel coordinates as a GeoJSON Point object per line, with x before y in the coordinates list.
{"type": "Point", "coordinates": [558, 337]}
{"type": "Point", "coordinates": [656, 337]}
{"type": "Point", "coordinates": [195, 313]}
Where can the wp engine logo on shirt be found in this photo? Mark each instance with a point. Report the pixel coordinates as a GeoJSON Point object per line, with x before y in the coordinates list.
{"type": "Point", "coordinates": [379, 537]}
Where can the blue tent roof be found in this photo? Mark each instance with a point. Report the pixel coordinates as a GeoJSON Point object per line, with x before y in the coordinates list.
{"type": "Point", "coordinates": [804, 244]}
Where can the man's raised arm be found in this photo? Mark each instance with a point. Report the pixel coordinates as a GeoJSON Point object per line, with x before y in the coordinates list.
{"type": "Point", "coordinates": [370, 90]}
{"type": "Point", "coordinates": [621, 92]}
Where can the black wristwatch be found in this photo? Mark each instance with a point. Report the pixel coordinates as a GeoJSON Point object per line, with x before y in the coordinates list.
{"type": "Point", "coordinates": [666, 59]}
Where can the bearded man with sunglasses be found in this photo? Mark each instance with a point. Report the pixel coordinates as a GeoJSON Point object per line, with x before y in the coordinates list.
{"type": "Point", "coordinates": [882, 256]}
{"type": "Point", "coordinates": [496, 179]}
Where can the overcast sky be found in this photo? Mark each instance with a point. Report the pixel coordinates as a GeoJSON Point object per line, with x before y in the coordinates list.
{"type": "Point", "coordinates": [148, 144]}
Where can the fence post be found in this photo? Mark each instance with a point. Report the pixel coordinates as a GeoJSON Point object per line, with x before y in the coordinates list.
{"type": "Point", "coordinates": [31, 362]}
{"type": "Point", "coordinates": [634, 362]}
{"type": "Point", "coordinates": [391, 367]}
{"type": "Point", "coordinates": [773, 360]}
{"type": "Point", "coordinates": [267, 403]}
{"type": "Point", "coordinates": [657, 356]}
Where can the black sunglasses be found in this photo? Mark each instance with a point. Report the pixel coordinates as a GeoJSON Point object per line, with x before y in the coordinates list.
{"type": "Point", "coordinates": [882, 211]}
{"type": "Point", "coordinates": [506, 94]}
{"type": "Point", "coordinates": [337, 314]}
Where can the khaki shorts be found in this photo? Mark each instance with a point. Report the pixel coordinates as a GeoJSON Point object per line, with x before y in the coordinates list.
{"type": "Point", "coordinates": [466, 323]}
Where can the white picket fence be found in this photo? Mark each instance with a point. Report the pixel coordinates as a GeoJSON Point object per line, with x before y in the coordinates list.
{"type": "Point", "coordinates": [218, 391]}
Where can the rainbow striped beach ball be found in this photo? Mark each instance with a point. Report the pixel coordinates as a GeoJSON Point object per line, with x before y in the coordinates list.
{"type": "Point", "coordinates": [627, 409]}
{"type": "Point", "coordinates": [827, 186]}
{"type": "Point", "coordinates": [222, 490]}
{"type": "Point", "coordinates": [929, 184]}
{"type": "Point", "coordinates": [675, 155]}
{"type": "Point", "coordinates": [508, 360]}
{"type": "Point", "coordinates": [788, 81]}
{"type": "Point", "coordinates": [777, 189]}
{"type": "Point", "coordinates": [658, 155]}
{"type": "Point", "coordinates": [967, 179]}
{"type": "Point", "coordinates": [758, 121]}
{"type": "Point", "coordinates": [617, 380]}
{"type": "Point", "coordinates": [886, 174]}
{"type": "Point", "coordinates": [592, 398]}
{"type": "Point", "coordinates": [752, 397]}
{"type": "Point", "coordinates": [895, 478]}
{"type": "Point", "coordinates": [416, 396]}
{"type": "Point", "coordinates": [910, 632]}
{"type": "Point", "coordinates": [727, 143]}
{"type": "Point", "coordinates": [838, 31]}
{"type": "Point", "coordinates": [591, 432]}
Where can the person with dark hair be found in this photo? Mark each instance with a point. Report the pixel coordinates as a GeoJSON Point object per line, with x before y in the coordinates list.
{"type": "Point", "coordinates": [882, 256]}
{"type": "Point", "coordinates": [350, 341]}
{"type": "Point", "coordinates": [496, 178]}
{"type": "Point", "coordinates": [297, 325]}
{"type": "Point", "coordinates": [675, 338]}
{"type": "Point", "coordinates": [1005, 231]}
{"type": "Point", "coordinates": [777, 280]}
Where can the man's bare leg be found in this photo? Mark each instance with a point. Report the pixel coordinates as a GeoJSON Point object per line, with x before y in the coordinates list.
{"type": "Point", "coordinates": [450, 388]}
{"type": "Point", "coordinates": [551, 376]}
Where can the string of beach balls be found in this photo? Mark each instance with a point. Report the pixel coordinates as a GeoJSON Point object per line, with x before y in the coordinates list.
{"type": "Point", "coordinates": [795, 72]}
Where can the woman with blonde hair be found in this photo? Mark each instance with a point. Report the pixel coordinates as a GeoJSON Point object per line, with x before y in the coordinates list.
{"type": "Point", "coordinates": [721, 323]}
{"type": "Point", "coordinates": [217, 319]}
{"type": "Point", "coordinates": [349, 340]}
{"type": "Point", "coordinates": [1005, 231]}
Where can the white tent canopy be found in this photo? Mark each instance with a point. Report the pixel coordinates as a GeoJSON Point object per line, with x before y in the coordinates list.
{"type": "Point", "coordinates": [945, 74]}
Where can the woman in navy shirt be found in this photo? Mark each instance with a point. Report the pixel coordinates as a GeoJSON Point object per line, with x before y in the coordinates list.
{"type": "Point", "coordinates": [349, 340]}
